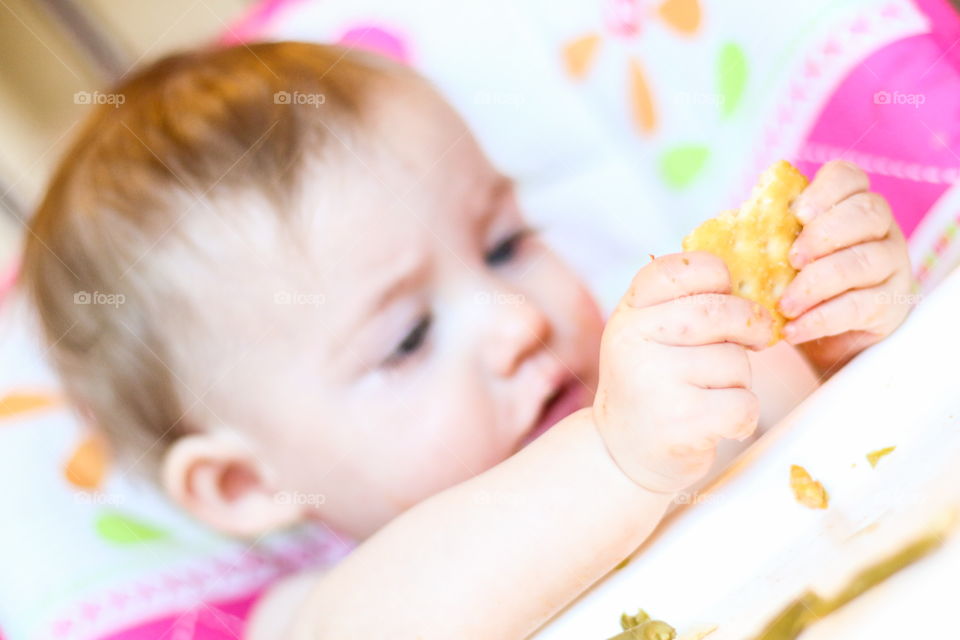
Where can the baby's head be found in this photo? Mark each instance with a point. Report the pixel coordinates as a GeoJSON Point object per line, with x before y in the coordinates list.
{"type": "Point", "coordinates": [289, 270]}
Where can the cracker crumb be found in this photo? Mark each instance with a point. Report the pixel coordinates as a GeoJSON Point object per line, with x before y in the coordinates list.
{"type": "Point", "coordinates": [874, 456]}
{"type": "Point", "coordinates": [808, 492]}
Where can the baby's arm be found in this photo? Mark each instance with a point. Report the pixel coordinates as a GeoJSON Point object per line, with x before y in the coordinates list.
{"type": "Point", "coordinates": [493, 557]}
{"type": "Point", "coordinates": [498, 555]}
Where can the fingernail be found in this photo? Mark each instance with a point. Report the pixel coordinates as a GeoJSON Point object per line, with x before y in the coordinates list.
{"type": "Point", "coordinates": [791, 334]}
{"type": "Point", "coordinates": [786, 305]}
{"type": "Point", "coordinates": [804, 211]}
{"type": "Point", "coordinates": [797, 259]}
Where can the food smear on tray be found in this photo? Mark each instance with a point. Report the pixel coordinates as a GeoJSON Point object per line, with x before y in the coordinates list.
{"type": "Point", "coordinates": [810, 607]}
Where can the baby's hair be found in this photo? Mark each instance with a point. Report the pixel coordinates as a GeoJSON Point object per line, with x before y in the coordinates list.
{"type": "Point", "coordinates": [192, 130]}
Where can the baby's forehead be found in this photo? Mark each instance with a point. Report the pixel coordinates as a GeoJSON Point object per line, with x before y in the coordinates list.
{"type": "Point", "coordinates": [410, 184]}
{"type": "Point", "coordinates": [414, 132]}
{"type": "Point", "coordinates": [415, 171]}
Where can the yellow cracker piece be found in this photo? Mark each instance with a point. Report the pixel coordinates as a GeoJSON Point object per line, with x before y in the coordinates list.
{"type": "Point", "coordinates": [755, 240]}
{"type": "Point", "coordinates": [807, 491]}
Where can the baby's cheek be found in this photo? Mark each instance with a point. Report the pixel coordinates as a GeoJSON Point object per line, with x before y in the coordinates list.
{"type": "Point", "coordinates": [567, 296]}
{"type": "Point", "coordinates": [591, 317]}
{"type": "Point", "coordinates": [461, 439]}
{"type": "Point", "coordinates": [588, 320]}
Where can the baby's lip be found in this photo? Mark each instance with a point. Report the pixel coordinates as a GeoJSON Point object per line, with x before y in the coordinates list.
{"type": "Point", "coordinates": [566, 396]}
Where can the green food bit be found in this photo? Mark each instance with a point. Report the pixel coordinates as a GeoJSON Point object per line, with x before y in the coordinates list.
{"type": "Point", "coordinates": [628, 622]}
{"type": "Point", "coordinates": [641, 627]}
{"type": "Point", "coordinates": [654, 630]}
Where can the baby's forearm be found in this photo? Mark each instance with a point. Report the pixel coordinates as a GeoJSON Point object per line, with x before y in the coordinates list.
{"type": "Point", "coordinates": [493, 557]}
{"type": "Point", "coordinates": [829, 355]}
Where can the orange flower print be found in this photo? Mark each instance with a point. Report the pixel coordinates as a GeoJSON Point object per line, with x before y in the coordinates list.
{"type": "Point", "coordinates": [18, 402]}
{"type": "Point", "coordinates": [627, 19]}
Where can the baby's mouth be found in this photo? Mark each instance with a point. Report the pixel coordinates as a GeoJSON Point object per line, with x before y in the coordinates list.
{"type": "Point", "coordinates": [568, 397]}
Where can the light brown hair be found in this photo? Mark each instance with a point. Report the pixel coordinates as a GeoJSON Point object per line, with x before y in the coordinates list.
{"type": "Point", "coordinates": [189, 128]}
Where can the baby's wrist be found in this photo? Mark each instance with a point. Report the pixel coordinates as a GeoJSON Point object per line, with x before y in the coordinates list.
{"type": "Point", "coordinates": [622, 456]}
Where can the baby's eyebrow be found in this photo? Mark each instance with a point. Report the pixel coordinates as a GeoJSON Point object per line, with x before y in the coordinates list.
{"type": "Point", "coordinates": [490, 199]}
{"type": "Point", "coordinates": [502, 187]}
{"type": "Point", "coordinates": [411, 274]}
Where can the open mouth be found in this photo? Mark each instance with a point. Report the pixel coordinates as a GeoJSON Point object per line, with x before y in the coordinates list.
{"type": "Point", "coordinates": [566, 398]}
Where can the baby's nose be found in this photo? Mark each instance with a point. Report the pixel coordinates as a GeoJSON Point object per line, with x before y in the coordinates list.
{"type": "Point", "coordinates": [517, 328]}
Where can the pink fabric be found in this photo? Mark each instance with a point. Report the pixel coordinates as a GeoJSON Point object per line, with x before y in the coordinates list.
{"type": "Point", "coordinates": [378, 39]}
{"type": "Point", "coordinates": [8, 276]}
{"type": "Point", "coordinates": [945, 26]}
{"type": "Point", "coordinates": [216, 621]}
{"type": "Point", "coordinates": [252, 25]}
{"type": "Point", "coordinates": [898, 116]}
{"type": "Point", "coordinates": [369, 36]}
{"type": "Point", "coordinates": [238, 581]}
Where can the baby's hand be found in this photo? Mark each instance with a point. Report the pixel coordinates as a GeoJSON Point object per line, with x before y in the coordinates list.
{"type": "Point", "coordinates": [674, 374]}
{"type": "Point", "coordinates": [854, 279]}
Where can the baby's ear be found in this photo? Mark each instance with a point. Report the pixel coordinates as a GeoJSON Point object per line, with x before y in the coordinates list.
{"type": "Point", "coordinates": [218, 480]}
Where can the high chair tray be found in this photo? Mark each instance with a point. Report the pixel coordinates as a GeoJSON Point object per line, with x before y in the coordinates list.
{"type": "Point", "coordinates": [746, 549]}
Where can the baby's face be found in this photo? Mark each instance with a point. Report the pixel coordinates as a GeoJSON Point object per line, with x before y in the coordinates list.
{"type": "Point", "coordinates": [432, 336]}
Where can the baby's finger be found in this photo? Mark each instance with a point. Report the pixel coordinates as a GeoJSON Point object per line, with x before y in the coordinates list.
{"type": "Point", "coordinates": [706, 319]}
{"type": "Point", "coordinates": [835, 181]}
{"type": "Point", "coordinates": [858, 267]}
{"type": "Point", "coordinates": [860, 218]}
{"type": "Point", "coordinates": [859, 310]}
{"type": "Point", "coordinates": [675, 275]}
{"type": "Point", "coordinates": [714, 366]}
{"type": "Point", "coordinates": [728, 413]}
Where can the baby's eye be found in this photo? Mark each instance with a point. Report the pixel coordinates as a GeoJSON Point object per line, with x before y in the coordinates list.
{"type": "Point", "coordinates": [411, 343]}
{"type": "Point", "coordinates": [506, 250]}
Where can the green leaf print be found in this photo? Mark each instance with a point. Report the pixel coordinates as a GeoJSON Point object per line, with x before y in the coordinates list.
{"type": "Point", "coordinates": [731, 77]}
{"type": "Point", "coordinates": [120, 529]}
{"type": "Point", "coordinates": [680, 166]}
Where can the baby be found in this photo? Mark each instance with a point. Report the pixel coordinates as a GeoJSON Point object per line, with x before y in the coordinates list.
{"type": "Point", "coordinates": [329, 292]}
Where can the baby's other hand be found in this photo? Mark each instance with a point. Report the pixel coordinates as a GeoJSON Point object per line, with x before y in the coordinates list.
{"type": "Point", "coordinates": [674, 373]}
{"type": "Point", "coordinates": [854, 282]}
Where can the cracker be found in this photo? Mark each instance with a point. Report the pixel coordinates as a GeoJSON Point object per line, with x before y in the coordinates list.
{"type": "Point", "coordinates": [754, 241]}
